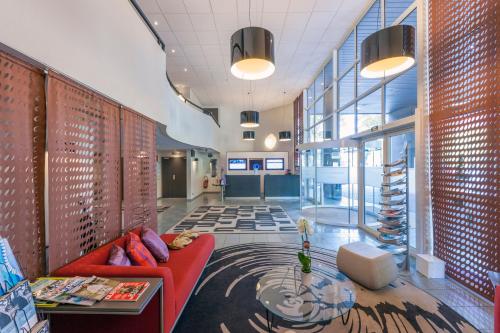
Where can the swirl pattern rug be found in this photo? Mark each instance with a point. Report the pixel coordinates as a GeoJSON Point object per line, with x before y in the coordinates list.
{"type": "Point", "coordinates": [225, 299]}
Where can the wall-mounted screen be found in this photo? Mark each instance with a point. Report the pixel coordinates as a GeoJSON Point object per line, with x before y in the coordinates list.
{"type": "Point", "coordinates": [256, 164]}
{"type": "Point", "coordinates": [237, 164]}
{"type": "Point", "coordinates": [275, 164]}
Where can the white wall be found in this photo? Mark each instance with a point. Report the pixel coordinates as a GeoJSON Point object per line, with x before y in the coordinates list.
{"type": "Point", "coordinates": [271, 122]}
{"type": "Point", "coordinates": [196, 171]}
{"type": "Point", "coordinates": [106, 46]}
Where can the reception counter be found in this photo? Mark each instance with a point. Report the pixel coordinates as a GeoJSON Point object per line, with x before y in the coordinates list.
{"type": "Point", "coordinates": [243, 186]}
{"type": "Point", "coordinates": [281, 186]}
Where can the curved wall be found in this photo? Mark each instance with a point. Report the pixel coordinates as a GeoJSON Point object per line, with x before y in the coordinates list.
{"type": "Point", "coordinates": [106, 46]}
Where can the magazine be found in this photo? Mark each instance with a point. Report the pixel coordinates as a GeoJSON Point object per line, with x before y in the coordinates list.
{"type": "Point", "coordinates": [10, 272]}
{"type": "Point", "coordinates": [95, 288]}
{"type": "Point", "coordinates": [57, 290]}
{"type": "Point", "coordinates": [127, 291]}
{"type": "Point", "coordinates": [17, 310]}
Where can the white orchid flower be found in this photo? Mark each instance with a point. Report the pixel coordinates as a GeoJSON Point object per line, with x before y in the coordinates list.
{"type": "Point", "coordinates": [304, 226]}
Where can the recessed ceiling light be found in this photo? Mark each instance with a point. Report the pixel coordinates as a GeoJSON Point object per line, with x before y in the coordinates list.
{"type": "Point", "coordinates": [185, 69]}
{"type": "Point", "coordinates": [172, 50]}
{"type": "Point", "coordinates": [156, 22]}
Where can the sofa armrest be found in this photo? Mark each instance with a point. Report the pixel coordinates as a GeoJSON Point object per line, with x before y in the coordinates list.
{"type": "Point", "coordinates": [130, 271]}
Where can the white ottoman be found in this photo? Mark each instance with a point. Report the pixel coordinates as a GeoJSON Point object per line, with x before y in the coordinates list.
{"type": "Point", "coordinates": [368, 265]}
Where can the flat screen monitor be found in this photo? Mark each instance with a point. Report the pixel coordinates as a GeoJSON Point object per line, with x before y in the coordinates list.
{"type": "Point", "coordinates": [256, 164]}
{"type": "Point", "coordinates": [237, 164]}
{"type": "Point", "coordinates": [275, 164]}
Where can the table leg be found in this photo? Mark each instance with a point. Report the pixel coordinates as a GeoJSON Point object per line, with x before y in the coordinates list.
{"type": "Point", "coordinates": [269, 319]}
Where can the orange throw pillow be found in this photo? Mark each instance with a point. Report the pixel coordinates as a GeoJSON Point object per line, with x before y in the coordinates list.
{"type": "Point", "coordinates": [138, 253]}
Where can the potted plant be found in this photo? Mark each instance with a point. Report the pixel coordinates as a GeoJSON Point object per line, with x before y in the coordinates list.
{"type": "Point", "coordinates": [305, 229]}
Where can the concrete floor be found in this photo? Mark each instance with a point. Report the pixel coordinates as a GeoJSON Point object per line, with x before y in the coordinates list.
{"type": "Point", "coordinates": [471, 306]}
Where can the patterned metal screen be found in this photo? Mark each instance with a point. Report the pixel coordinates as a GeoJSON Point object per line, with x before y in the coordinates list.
{"type": "Point", "coordinates": [139, 170]}
{"type": "Point", "coordinates": [298, 126]}
{"type": "Point", "coordinates": [22, 147]}
{"type": "Point", "coordinates": [464, 129]}
{"type": "Point", "coordinates": [84, 170]}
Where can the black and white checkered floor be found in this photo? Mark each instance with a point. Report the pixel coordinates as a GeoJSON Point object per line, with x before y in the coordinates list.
{"type": "Point", "coordinates": [237, 219]}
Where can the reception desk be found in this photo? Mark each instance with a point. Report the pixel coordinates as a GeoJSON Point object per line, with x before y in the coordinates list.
{"type": "Point", "coordinates": [242, 186]}
{"type": "Point", "coordinates": [281, 186]}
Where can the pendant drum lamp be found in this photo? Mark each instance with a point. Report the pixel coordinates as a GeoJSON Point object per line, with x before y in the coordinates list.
{"type": "Point", "coordinates": [249, 119]}
{"type": "Point", "coordinates": [388, 51]}
{"type": "Point", "coordinates": [252, 53]}
{"type": "Point", "coordinates": [249, 135]}
{"type": "Point", "coordinates": [285, 136]}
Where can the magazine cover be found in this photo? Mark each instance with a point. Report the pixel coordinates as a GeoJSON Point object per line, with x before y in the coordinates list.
{"type": "Point", "coordinates": [95, 288]}
{"type": "Point", "coordinates": [41, 327]}
{"type": "Point", "coordinates": [127, 291]}
{"type": "Point", "coordinates": [57, 290]}
{"type": "Point", "coordinates": [17, 310]}
{"type": "Point", "coordinates": [10, 271]}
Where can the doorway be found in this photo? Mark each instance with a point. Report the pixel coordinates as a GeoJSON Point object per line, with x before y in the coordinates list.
{"type": "Point", "coordinates": [174, 178]}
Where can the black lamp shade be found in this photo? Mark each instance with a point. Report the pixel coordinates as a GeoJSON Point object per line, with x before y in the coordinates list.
{"type": "Point", "coordinates": [285, 136]}
{"type": "Point", "coordinates": [252, 53]}
{"type": "Point", "coordinates": [388, 51]}
{"type": "Point", "coordinates": [249, 119]}
{"type": "Point", "coordinates": [249, 135]}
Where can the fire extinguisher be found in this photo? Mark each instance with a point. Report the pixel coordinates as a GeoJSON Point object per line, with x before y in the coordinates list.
{"type": "Point", "coordinates": [205, 182]}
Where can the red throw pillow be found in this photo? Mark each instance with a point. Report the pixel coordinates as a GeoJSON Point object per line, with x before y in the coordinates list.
{"type": "Point", "coordinates": [138, 253]}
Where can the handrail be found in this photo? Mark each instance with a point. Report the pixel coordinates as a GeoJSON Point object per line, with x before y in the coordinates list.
{"type": "Point", "coordinates": [162, 45]}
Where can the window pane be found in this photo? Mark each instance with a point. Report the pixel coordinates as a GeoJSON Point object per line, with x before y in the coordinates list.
{"type": "Point", "coordinates": [328, 129]}
{"type": "Point", "coordinates": [318, 133]}
{"type": "Point", "coordinates": [319, 85]}
{"type": "Point", "coordinates": [370, 111]}
{"type": "Point", "coordinates": [370, 23]}
{"type": "Point", "coordinates": [346, 122]}
{"type": "Point", "coordinates": [346, 54]}
{"type": "Point", "coordinates": [346, 88]}
{"type": "Point", "coordinates": [318, 110]}
{"type": "Point", "coordinates": [328, 74]}
{"type": "Point", "coordinates": [310, 116]}
{"type": "Point", "coordinates": [328, 103]}
{"type": "Point", "coordinates": [310, 95]}
{"type": "Point", "coordinates": [394, 9]}
{"type": "Point", "coordinates": [363, 83]}
{"type": "Point", "coordinates": [401, 96]}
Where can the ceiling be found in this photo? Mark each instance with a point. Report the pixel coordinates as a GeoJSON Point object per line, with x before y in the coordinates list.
{"type": "Point", "coordinates": [305, 32]}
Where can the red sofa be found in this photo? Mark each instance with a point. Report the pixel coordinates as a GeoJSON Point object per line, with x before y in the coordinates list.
{"type": "Point", "coordinates": [179, 274]}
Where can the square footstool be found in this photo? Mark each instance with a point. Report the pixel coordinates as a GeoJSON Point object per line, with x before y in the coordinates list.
{"type": "Point", "coordinates": [368, 265]}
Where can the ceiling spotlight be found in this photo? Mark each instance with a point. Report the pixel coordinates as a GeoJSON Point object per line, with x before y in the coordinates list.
{"type": "Point", "coordinates": [156, 22]}
{"type": "Point", "coordinates": [172, 50]}
{"type": "Point", "coordinates": [388, 51]}
{"type": "Point", "coordinates": [185, 69]}
{"type": "Point", "coordinates": [252, 53]}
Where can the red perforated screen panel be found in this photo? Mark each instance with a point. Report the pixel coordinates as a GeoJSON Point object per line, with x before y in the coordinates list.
{"type": "Point", "coordinates": [84, 170]}
{"type": "Point", "coordinates": [139, 171]}
{"type": "Point", "coordinates": [22, 146]}
{"type": "Point", "coordinates": [464, 129]}
{"type": "Point", "coordinates": [298, 123]}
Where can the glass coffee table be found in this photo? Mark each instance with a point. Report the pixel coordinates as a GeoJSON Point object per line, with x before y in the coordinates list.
{"type": "Point", "coordinates": [320, 296]}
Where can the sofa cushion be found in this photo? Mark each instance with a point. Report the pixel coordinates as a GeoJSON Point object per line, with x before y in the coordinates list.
{"type": "Point", "coordinates": [138, 253]}
{"type": "Point", "coordinates": [155, 244]}
{"type": "Point", "coordinates": [187, 264]}
{"type": "Point", "coordinates": [118, 257]}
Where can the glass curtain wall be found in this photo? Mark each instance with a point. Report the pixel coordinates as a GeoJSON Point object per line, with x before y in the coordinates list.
{"type": "Point", "coordinates": [330, 186]}
{"type": "Point", "coordinates": [340, 103]}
